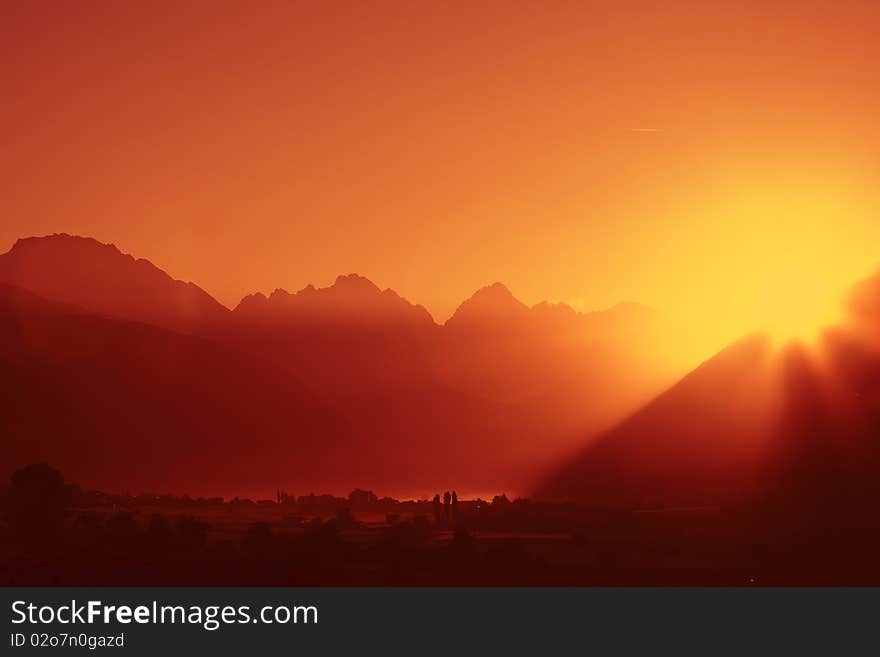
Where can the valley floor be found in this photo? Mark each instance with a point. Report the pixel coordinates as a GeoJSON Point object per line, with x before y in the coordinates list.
{"type": "Point", "coordinates": [385, 542]}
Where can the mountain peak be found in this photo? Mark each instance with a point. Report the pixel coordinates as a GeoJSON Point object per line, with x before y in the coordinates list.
{"type": "Point", "coordinates": [549, 308]}
{"type": "Point", "coordinates": [496, 295]}
{"type": "Point", "coordinates": [496, 290]}
{"type": "Point", "coordinates": [488, 303]}
{"type": "Point", "coordinates": [64, 242]}
{"type": "Point", "coordinates": [351, 297]}
{"type": "Point", "coordinates": [355, 283]}
{"type": "Point", "coordinates": [97, 276]}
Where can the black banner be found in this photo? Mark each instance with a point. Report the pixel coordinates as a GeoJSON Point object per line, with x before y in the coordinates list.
{"type": "Point", "coordinates": [411, 621]}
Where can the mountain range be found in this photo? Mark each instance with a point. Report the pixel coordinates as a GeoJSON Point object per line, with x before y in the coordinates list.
{"type": "Point", "coordinates": [427, 405]}
{"type": "Point", "coordinates": [790, 427]}
{"type": "Point", "coordinates": [98, 277]}
{"type": "Point", "coordinates": [130, 379]}
{"type": "Point", "coordinates": [123, 404]}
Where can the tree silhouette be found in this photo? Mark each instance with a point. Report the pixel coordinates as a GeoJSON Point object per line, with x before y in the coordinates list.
{"type": "Point", "coordinates": [359, 498]}
{"type": "Point", "coordinates": [38, 503]}
{"type": "Point", "coordinates": [122, 528]}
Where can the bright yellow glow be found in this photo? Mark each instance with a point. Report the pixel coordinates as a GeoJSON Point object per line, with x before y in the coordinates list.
{"type": "Point", "coordinates": [773, 250]}
{"type": "Point", "coordinates": [798, 305]}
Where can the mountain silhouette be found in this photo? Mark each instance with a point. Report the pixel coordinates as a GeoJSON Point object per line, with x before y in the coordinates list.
{"type": "Point", "coordinates": [589, 368]}
{"type": "Point", "coordinates": [371, 353]}
{"type": "Point", "coordinates": [791, 428]}
{"type": "Point", "coordinates": [500, 383]}
{"type": "Point", "coordinates": [697, 443]}
{"type": "Point", "coordinates": [478, 389]}
{"type": "Point", "coordinates": [96, 276]}
{"type": "Point", "coordinates": [352, 299]}
{"type": "Point", "coordinates": [341, 340]}
{"type": "Point", "coordinates": [490, 307]}
{"type": "Point", "coordinates": [127, 406]}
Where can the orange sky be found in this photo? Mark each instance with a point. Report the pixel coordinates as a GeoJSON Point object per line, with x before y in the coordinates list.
{"type": "Point", "coordinates": [720, 163]}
